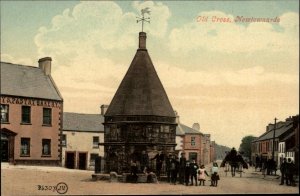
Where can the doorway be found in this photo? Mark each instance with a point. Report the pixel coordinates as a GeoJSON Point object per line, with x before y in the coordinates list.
{"type": "Point", "coordinates": [82, 158]}
{"type": "Point", "coordinates": [4, 150]}
{"type": "Point", "coordinates": [7, 145]}
{"type": "Point", "coordinates": [70, 160]}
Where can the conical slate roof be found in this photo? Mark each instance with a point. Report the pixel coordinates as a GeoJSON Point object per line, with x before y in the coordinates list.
{"type": "Point", "coordinates": [141, 91]}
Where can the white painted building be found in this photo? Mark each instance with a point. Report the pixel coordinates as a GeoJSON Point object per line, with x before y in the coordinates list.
{"type": "Point", "coordinates": [81, 136]}
{"type": "Point", "coordinates": [281, 152]}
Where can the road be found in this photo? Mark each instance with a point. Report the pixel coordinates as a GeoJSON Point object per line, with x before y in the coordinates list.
{"type": "Point", "coordinates": [27, 180]}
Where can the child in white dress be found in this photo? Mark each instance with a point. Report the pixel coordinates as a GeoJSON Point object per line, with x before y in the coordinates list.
{"type": "Point", "coordinates": [201, 175]}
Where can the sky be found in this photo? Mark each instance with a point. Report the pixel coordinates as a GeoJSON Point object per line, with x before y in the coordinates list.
{"type": "Point", "coordinates": [233, 78]}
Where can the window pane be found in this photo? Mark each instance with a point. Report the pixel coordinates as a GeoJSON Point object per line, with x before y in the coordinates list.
{"type": "Point", "coordinates": [46, 147]}
{"type": "Point", "coordinates": [25, 146]}
{"type": "Point", "coordinates": [25, 114]}
{"type": "Point", "coordinates": [64, 140]}
{"type": "Point", "coordinates": [47, 116]}
{"type": "Point", "coordinates": [4, 113]}
{"type": "Point", "coordinates": [95, 142]}
{"type": "Point", "coordinates": [193, 141]}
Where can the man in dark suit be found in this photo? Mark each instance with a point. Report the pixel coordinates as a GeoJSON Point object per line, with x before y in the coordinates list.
{"type": "Point", "coordinates": [182, 164]}
{"type": "Point", "coordinates": [159, 161]}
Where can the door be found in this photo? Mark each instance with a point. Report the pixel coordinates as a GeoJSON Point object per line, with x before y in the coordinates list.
{"type": "Point", "coordinates": [4, 150]}
{"type": "Point", "coordinates": [70, 160]}
{"type": "Point", "coordinates": [82, 161]}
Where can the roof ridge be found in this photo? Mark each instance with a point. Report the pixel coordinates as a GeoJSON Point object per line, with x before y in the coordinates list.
{"type": "Point", "coordinates": [30, 66]}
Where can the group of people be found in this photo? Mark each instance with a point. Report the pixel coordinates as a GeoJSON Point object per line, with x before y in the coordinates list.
{"type": "Point", "coordinates": [267, 166]}
{"type": "Point", "coordinates": [188, 172]}
{"type": "Point", "coordinates": [177, 169]}
{"type": "Point", "coordinates": [288, 170]}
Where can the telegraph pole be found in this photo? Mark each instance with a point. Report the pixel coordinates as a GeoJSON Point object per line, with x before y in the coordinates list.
{"type": "Point", "coordinates": [273, 151]}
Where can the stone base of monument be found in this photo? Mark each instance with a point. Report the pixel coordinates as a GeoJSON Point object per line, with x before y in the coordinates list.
{"type": "Point", "coordinates": [125, 177]}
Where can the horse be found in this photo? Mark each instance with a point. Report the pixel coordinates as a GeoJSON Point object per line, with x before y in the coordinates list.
{"type": "Point", "coordinates": [235, 161]}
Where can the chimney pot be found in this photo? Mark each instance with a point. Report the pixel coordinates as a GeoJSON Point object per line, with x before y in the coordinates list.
{"type": "Point", "coordinates": [45, 65]}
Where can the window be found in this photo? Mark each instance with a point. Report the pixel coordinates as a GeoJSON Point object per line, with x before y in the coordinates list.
{"type": "Point", "coordinates": [193, 143]}
{"type": "Point", "coordinates": [25, 146]}
{"type": "Point", "coordinates": [4, 113]}
{"type": "Point", "coordinates": [26, 114]}
{"type": "Point", "coordinates": [47, 116]}
{"type": "Point", "coordinates": [46, 147]}
{"type": "Point", "coordinates": [93, 158]}
{"type": "Point", "coordinates": [95, 142]}
{"type": "Point", "coordinates": [64, 140]}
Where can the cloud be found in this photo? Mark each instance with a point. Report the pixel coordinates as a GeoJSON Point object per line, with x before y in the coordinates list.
{"type": "Point", "coordinates": [159, 16]}
{"type": "Point", "coordinates": [235, 38]}
{"type": "Point", "coordinates": [92, 45]}
{"type": "Point", "coordinates": [9, 58]}
{"type": "Point", "coordinates": [173, 76]}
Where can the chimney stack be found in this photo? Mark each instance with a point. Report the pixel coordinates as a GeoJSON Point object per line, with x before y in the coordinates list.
{"type": "Point", "coordinates": [196, 126]}
{"type": "Point", "coordinates": [45, 65]}
{"type": "Point", "coordinates": [103, 109]}
{"type": "Point", "coordinates": [177, 116]}
{"type": "Point", "coordinates": [142, 40]}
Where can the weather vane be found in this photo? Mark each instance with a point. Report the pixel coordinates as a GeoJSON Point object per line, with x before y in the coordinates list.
{"type": "Point", "coordinates": [143, 19]}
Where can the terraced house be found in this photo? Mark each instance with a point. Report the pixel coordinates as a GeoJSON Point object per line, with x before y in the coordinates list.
{"type": "Point", "coordinates": [31, 114]}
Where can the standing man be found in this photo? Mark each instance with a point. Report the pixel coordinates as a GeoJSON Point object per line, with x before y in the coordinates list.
{"type": "Point", "coordinates": [159, 161]}
{"type": "Point", "coordinates": [283, 170]}
{"type": "Point", "coordinates": [187, 173]}
{"type": "Point", "coordinates": [144, 161]}
{"type": "Point", "coordinates": [291, 170]}
{"type": "Point", "coordinates": [182, 164]}
{"type": "Point", "coordinates": [174, 169]}
{"type": "Point", "coordinates": [193, 169]}
{"type": "Point", "coordinates": [168, 167]}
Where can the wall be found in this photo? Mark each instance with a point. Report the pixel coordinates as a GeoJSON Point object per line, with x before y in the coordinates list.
{"type": "Point", "coordinates": [80, 141]}
{"type": "Point", "coordinates": [36, 131]}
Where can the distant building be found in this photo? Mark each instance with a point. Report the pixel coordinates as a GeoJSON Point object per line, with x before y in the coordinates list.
{"type": "Point", "coordinates": [31, 114]}
{"type": "Point", "coordinates": [192, 140]}
{"type": "Point", "coordinates": [194, 143]}
{"type": "Point", "coordinates": [81, 136]}
{"type": "Point", "coordinates": [285, 141]}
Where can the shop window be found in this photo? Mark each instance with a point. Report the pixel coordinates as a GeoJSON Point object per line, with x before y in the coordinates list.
{"type": "Point", "coordinates": [93, 158]}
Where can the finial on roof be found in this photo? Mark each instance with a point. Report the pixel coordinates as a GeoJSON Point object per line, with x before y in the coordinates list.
{"type": "Point", "coordinates": [143, 19]}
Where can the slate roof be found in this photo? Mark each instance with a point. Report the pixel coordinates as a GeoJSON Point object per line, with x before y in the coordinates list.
{"type": "Point", "coordinates": [182, 129]}
{"type": "Point", "coordinates": [141, 91]}
{"type": "Point", "coordinates": [27, 81]}
{"type": "Point", "coordinates": [278, 132]}
{"type": "Point", "coordinates": [83, 122]}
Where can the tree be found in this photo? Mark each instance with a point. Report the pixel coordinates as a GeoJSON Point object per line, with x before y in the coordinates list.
{"type": "Point", "coordinates": [245, 146]}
